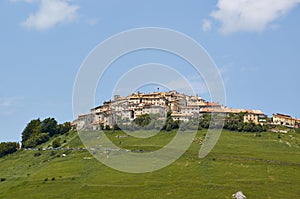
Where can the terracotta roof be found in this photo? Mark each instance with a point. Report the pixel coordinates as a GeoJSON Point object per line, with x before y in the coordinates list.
{"type": "Point", "coordinates": [282, 115]}
{"type": "Point", "coordinates": [212, 104]}
{"type": "Point", "coordinates": [181, 115]}
{"type": "Point", "coordinates": [230, 110]}
{"type": "Point", "coordinates": [258, 112]}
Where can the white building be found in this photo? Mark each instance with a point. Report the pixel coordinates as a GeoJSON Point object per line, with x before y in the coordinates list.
{"type": "Point", "coordinates": [126, 109]}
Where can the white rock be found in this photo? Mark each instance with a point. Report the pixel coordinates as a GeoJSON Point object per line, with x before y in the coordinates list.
{"type": "Point", "coordinates": [239, 195]}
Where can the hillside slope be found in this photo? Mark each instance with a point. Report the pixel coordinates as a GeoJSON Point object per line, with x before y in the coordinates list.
{"type": "Point", "coordinates": [262, 167]}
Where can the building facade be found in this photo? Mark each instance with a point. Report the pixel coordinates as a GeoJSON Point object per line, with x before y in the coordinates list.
{"type": "Point", "coordinates": [283, 120]}
{"type": "Point", "coordinates": [182, 107]}
{"type": "Point", "coordinates": [255, 116]}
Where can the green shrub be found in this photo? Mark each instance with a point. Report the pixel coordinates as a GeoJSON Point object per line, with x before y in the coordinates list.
{"type": "Point", "coordinates": [56, 143]}
{"type": "Point", "coordinates": [8, 148]}
{"type": "Point", "coordinates": [2, 179]}
{"type": "Point", "coordinates": [37, 154]}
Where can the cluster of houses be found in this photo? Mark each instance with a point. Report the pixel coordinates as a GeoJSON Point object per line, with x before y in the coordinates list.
{"type": "Point", "coordinates": [285, 120]}
{"type": "Point", "coordinates": [182, 107]}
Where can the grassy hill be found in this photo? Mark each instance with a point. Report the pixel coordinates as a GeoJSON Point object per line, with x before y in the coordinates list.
{"type": "Point", "coordinates": [262, 167]}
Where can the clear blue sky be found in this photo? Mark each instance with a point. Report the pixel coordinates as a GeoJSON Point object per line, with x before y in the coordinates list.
{"type": "Point", "coordinates": [254, 43]}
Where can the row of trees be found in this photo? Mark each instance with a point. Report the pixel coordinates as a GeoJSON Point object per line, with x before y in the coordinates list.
{"type": "Point", "coordinates": [37, 132]}
{"type": "Point", "coordinates": [147, 122]}
{"type": "Point", "coordinates": [8, 148]}
{"type": "Point", "coordinates": [233, 122]}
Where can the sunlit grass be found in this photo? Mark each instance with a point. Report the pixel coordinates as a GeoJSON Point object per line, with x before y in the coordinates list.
{"type": "Point", "coordinates": [262, 167]}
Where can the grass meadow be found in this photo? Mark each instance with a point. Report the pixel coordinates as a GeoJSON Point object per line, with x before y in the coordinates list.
{"type": "Point", "coordinates": [261, 167]}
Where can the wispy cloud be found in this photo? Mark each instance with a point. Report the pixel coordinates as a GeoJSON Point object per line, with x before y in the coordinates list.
{"type": "Point", "coordinates": [206, 25]}
{"type": "Point", "coordinates": [50, 14]}
{"type": "Point", "coordinates": [8, 104]}
{"type": "Point", "coordinates": [27, 1]}
{"type": "Point", "coordinates": [250, 15]}
{"type": "Point", "coordinates": [93, 21]}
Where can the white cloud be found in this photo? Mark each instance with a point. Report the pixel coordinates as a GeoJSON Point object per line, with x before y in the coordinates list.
{"type": "Point", "coordinates": [93, 21]}
{"type": "Point", "coordinates": [250, 15]}
{"type": "Point", "coordinates": [27, 1]}
{"type": "Point", "coordinates": [206, 25]}
{"type": "Point", "coordinates": [8, 104]}
{"type": "Point", "coordinates": [51, 13]}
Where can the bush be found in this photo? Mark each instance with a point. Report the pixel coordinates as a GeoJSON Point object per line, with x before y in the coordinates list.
{"type": "Point", "coordinates": [142, 120]}
{"type": "Point", "coordinates": [56, 143]}
{"type": "Point", "coordinates": [8, 148]}
{"type": "Point", "coordinates": [258, 134]}
{"type": "Point", "coordinates": [2, 179]}
{"type": "Point", "coordinates": [37, 154]}
{"type": "Point", "coordinates": [107, 127]}
{"type": "Point", "coordinates": [116, 127]}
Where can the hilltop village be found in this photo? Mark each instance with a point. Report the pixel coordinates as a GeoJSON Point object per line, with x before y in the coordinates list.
{"type": "Point", "coordinates": [182, 107]}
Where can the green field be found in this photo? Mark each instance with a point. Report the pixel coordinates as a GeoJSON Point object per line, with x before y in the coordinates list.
{"type": "Point", "coordinates": [261, 167]}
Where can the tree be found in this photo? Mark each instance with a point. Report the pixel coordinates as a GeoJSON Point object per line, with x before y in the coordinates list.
{"type": "Point", "coordinates": [170, 123]}
{"type": "Point", "coordinates": [36, 139]}
{"type": "Point", "coordinates": [49, 125]}
{"type": "Point", "coordinates": [32, 128]}
{"type": "Point", "coordinates": [205, 121]}
{"type": "Point", "coordinates": [37, 132]}
{"type": "Point", "coordinates": [107, 127]}
{"type": "Point", "coordinates": [142, 120]}
{"type": "Point", "coordinates": [250, 127]}
{"type": "Point", "coordinates": [64, 128]}
{"type": "Point", "coordinates": [240, 126]}
{"type": "Point", "coordinates": [116, 127]}
{"type": "Point", "coordinates": [193, 124]}
{"type": "Point", "coordinates": [8, 148]}
{"type": "Point", "coordinates": [101, 126]}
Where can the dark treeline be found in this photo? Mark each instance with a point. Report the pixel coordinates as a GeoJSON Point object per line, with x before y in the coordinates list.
{"type": "Point", "coordinates": [8, 148]}
{"type": "Point", "coordinates": [233, 122]}
{"type": "Point", "coordinates": [37, 132]}
{"type": "Point", "coordinates": [147, 122]}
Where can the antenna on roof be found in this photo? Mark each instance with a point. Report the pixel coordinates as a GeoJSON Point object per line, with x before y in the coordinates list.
{"type": "Point", "coordinates": [157, 89]}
